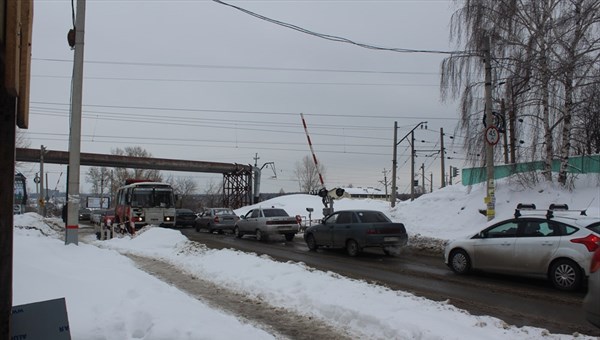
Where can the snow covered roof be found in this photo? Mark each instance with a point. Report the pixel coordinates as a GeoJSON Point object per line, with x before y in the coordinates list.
{"type": "Point", "coordinates": [364, 191]}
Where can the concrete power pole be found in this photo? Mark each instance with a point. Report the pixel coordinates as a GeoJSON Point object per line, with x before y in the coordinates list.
{"type": "Point", "coordinates": [442, 157]}
{"type": "Point", "coordinates": [394, 165]}
{"type": "Point", "coordinates": [412, 165]}
{"type": "Point", "coordinates": [41, 196]}
{"type": "Point", "coordinates": [72, 226]}
{"type": "Point", "coordinates": [423, 176]}
{"type": "Point", "coordinates": [385, 181]}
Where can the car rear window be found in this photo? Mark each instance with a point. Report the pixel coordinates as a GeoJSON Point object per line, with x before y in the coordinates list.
{"type": "Point", "coordinates": [372, 217]}
{"type": "Point", "coordinates": [224, 212]}
{"type": "Point", "coordinates": [274, 212]}
{"type": "Point", "coordinates": [595, 227]}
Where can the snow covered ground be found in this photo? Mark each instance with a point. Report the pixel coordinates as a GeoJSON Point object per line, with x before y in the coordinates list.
{"type": "Point", "coordinates": [108, 297]}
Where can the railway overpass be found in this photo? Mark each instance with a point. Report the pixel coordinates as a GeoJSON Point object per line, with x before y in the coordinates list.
{"type": "Point", "coordinates": [237, 178]}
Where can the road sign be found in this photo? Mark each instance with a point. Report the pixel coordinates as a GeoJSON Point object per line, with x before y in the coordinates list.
{"type": "Point", "coordinates": [492, 135]}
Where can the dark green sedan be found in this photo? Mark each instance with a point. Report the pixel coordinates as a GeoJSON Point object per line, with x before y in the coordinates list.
{"type": "Point", "coordinates": [355, 230]}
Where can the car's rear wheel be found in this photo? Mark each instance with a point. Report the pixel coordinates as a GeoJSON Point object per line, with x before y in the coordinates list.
{"type": "Point", "coordinates": [565, 275]}
{"type": "Point", "coordinates": [289, 237]}
{"type": "Point", "coordinates": [352, 248]}
{"type": "Point", "coordinates": [311, 242]}
{"type": "Point", "coordinates": [237, 232]}
{"type": "Point", "coordinates": [460, 262]}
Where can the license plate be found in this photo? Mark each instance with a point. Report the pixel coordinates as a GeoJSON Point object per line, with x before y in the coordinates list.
{"type": "Point", "coordinates": [391, 239]}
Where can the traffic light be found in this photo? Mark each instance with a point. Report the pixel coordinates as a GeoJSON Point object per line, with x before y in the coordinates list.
{"type": "Point", "coordinates": [454, 171]}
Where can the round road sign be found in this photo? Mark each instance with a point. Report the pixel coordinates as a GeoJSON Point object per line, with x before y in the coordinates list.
{"type": "Point", "coordinates": [492, 135]}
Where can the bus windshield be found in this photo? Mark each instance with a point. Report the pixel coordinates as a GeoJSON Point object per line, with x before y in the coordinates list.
{"type": "Point", "coordinates": [148, 197]}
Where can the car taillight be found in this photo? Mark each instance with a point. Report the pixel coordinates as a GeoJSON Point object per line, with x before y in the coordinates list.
{"type": "Point", "coordinates": [216, 219]}
{"type": "Point", "coordinates": [591, 242]}
{"type": "Point", "coordinates": [595, 266]}
{"type": "Point", "coordinates": [373, 231]}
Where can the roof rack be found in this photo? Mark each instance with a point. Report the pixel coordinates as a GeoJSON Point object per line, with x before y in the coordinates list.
{"type": "Point", "coordinates": [549, 212]}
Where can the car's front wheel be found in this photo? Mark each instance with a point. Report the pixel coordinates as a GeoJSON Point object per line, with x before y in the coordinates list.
{"type": "Point", "coordinates": [260, 236]}
{"type": "Point", "coordinates": [237, 232]}
{"type": "Point", "coordinates": [352, 248]}
{"type": "Point", "coordinates": [459, 261]}
{"type": "Point", "coordinates": [565, 275]}
{"type": "Point", "coordinates": [311, 242]}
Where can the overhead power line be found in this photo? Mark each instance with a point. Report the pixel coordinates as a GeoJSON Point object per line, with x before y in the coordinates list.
{"type": "Point", "coordinates": [366, 115]}
{"type": "Point", "coordinates": [238, 67]}
{"type": "Point", "coordinates": [338, 38]}
{"type": "Point", "coordinates": [240, 81]}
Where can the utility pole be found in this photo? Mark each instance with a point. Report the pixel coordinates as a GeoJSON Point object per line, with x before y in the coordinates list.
{"type": "Point", "coordinates": [412, 157]}
{"type": "Point", "coordinates": [47, 197]}
{"type": "Point", "coordinates": [412, 165]}
{"type": "Point", "coordinates": [443, 156]}
{"type": "Point", "coordinates": [41, 196]}
{"type": "Point", "coordinates": [431, 182]}
{"type": "Point", "coordinates": [490, 199]}
{"type": "Point", "coordinates": [72, 225]}
{"type": "Point", "coordinates": [423, 176]}
{"type": "Point", "coordinates": [257, 174]}
{"type": "Point", "coordinates": [385, 181]}
{"type": "Point", "coordinates": [394, 165]}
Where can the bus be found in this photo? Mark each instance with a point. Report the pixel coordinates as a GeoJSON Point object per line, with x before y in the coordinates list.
{"type": "Point", "coordinates": [140, 202]}
{"type": "Point", "coordinates": [20, 197]}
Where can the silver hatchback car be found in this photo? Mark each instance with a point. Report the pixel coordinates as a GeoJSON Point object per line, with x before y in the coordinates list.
{"type": "Point", "coordinates": [558, 248]}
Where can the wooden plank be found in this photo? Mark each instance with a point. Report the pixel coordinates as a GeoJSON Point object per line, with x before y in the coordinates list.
{"type": "Point", "coordinates": [25, 63]}
{"type": "Point", "coordinates": [2, 20]}
{"type": "Point", "coordinates": [12, 47]}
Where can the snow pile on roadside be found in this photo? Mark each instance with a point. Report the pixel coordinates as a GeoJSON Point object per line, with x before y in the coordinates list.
{"type": "Point", "coordinates": [107, 296]}
{"type": "Point", "coordinates": [453, 212]}
{"type": "Point", "coordinates": [367, 310]}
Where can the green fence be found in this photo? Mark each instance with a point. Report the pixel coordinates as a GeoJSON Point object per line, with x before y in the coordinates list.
{"type": "Point", "coordinates": [580, 165]}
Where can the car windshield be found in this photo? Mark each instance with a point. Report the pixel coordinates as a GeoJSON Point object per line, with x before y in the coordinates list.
{"type": "Point", "coordinates": [274, 212]}
{"type": "Point", "coordinates": [147, 197]}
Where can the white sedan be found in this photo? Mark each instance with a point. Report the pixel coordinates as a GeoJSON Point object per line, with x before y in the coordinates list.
{"type": "Point", "coordinates": [558, 248]}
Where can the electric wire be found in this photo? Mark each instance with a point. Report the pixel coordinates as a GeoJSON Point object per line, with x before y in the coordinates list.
{"type": "Point", "coordinates": [342, 39]}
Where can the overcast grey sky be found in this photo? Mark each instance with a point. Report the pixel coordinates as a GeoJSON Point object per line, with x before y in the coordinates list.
{"type": "Point", "coordinates": [202, 81]}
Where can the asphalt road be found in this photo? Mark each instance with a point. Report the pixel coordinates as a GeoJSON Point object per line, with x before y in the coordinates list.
{"type": "Point", "coordinates": [517, 301]}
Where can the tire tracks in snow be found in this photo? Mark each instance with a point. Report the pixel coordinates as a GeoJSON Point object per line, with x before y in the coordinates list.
{"type": "Point", "coordinates": [282, 323]}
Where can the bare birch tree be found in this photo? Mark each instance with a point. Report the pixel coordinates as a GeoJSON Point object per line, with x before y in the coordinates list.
{"type": "Point", "coordinates": [307, 174]}
{"type": "Point", "coordinates": [544, 53]}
